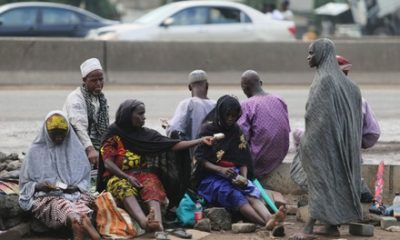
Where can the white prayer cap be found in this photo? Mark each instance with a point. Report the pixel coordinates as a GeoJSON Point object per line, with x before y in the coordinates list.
{"type": "Point", "coordinates": [89, 66]}
{"type": "Point", "coordinates": [197, 76]}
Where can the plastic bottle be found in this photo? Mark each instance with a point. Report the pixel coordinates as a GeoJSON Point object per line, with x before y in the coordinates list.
{"type": "Point", "coordinates": [396, 205]}
{"type": "Point", "coordinates": [198, 214]}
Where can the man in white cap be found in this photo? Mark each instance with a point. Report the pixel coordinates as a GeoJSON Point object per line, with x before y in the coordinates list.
{"type": "Point", "coordinates": [191, 111]}
{"type": "Point", "coordinates": [87, 108]}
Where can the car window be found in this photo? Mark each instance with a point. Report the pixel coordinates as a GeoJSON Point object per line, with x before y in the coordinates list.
{"type": "Point", "coordinates": [19, 17]}
{"type": "Point", "coordinates": [53, 16]}
{"type": "Point", "coordinates": [190, 16]}
{"type": "Point", "coordinates": [154, 15]}
{"type": "Point", "coordinates": [86, 18]}
{"type": "Point", "coordinates": [223, 15]}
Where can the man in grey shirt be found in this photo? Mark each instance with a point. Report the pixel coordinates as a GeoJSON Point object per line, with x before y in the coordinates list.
{"type": "Point", "coordinates": [191, 111]}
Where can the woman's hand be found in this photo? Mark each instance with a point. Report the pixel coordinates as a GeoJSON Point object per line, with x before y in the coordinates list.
{"type": "Point", "coordinates": [228, 172]}
{"type": "Point", "coordinates": [44, 186]}
{"type": "Point", "coordinates": [240, 181]}
{"type": "Point", "coordinates": [132, 180]}
{"type": "Point", "coordinates": [209, 140]}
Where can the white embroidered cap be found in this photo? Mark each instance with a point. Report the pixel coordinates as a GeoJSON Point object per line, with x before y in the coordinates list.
{"type": "Point", "coordinates": [89, 66]}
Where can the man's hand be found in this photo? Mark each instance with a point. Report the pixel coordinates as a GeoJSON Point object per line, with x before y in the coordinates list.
{"type": "Point", "coordinates": [92, 155]}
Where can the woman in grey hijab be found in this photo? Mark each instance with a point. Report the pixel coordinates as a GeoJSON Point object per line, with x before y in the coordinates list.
{"type": "Point", "coordinates": [54, 178]}
{"type": "Point", "coordinates": [330, 147]}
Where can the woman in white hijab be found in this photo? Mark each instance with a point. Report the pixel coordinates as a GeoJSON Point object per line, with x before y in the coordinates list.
{"type": "Point", "coordinates": [54, 178]}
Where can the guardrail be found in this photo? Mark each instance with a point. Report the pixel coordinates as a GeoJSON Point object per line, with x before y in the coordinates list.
{"type": "Point", "coordinates": [56, 61]}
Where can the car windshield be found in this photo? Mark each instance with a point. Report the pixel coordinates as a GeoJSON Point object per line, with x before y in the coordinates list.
{"type": "Point", "coordinates": [158, 13]}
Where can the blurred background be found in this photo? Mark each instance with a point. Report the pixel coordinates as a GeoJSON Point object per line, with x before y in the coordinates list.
{"type": "Point", "coordinates": [312, 18]}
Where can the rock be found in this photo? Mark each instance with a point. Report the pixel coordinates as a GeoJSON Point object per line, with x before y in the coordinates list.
{"type": "Point", "coordinates": [3, 166]}
{"type": "Point", "coordinates": [387, 222]}
{"type": "Point", "coordinates": [16, 232]}
{"type": "Point", "coordinates": [14, 165]}
{"type": "Point", "coordinates": [11, 174]}
{"type": "Point", "coordinates": [3, 157]}
{"type": "Point", "coordinates": [220, 218]}
{"type": "Point", "coordinates": [38, 227]}
{"type": "Point", "coordinates": [303, 201]}
{"type": "Point", "coordinates": [277, 197]}
{"type": "Point", "coordinates": [291, 209]}
{"type": "Point", "coordinates": [393, 229]}
{"type": "Point", "coordinates": [243, 227]}
{"type": "Point", "coordinates": [203, 225]}
{"type": "Point", "coordinates": [303, 214]}
{"type": "Point", "coordinates": [11, 222]}
{"type": "Point", "coordinates": [13, 156]}
{"type": "Point", "coordinates": [9, 206]}
{"type": "Point", "coordinates": [359, 229]}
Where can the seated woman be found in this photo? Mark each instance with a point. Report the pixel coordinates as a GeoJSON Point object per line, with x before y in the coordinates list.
{"type": "Point", "coordinates": [54, 179]}
{"type": "Point", "coordinates": [223, 169]}
{"type": "Point", "coordinates": [129, 152]}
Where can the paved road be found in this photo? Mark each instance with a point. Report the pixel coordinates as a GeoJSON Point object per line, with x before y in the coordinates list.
{"type": "Point", "coordinates": [22, 110]}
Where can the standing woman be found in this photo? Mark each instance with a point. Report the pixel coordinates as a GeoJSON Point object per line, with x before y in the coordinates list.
{"type": "Point", "coordinates": [132, 154]}
{"type": "Point", "coordinates": [224, 168]}
{"type": "Point", "coordinates": [54, 179]}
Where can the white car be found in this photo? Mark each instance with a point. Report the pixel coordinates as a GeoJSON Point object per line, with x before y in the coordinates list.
{"type": "Point", "coordinates": [200, 21]}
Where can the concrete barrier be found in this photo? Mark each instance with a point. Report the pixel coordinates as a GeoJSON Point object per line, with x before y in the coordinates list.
{"type": "Point", "coordinates": [56, 61]}
{"type": "Point", "coordinates": [279, 180]}
{"type": "Point", "coordinates": [45, 61]}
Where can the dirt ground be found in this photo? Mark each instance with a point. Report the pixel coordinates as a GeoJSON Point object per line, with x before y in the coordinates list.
{"type": "Point", "coordinates": [291, 226]}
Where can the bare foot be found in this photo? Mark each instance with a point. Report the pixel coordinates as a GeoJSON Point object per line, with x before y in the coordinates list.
{"type": "Point", "coordinates": [89, 228]}
{"type": "Point", "coordinates": [328, 230]}
{"type": "Point", "coordinates": [77, 230]}
{"type": "Point", "coordinates": [276, 218]}
{"type": "Point", "coordinates": [302, 236]}
{"type": "Point", "coordinates": [152, 225]}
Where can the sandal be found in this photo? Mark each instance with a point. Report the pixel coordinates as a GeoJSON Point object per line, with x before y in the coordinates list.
{"type": "Point", "coordinates": [161, 235]}
{"type": "Point", "coordinates": [179, 232]}
{"type": "Point", "coordinates": [278, 231]}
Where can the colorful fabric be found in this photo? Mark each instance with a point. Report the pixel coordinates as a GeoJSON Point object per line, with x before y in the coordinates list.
{"type": "Point", "coordinates": [152, 189]}
{"type": "Point", "coordinates": [233, 147]}
{"type": "Point", "coordinates": [370, 129]}
{"type": "Point", "coordinates": [56, 122]}
{"type": "Point", "coordinates": [45, 161]}
{"type": "Point", "coordinates": [153, 148]}
{"type": "Point", "coordinates": [54, 211]}
{"type": "Point", "coordinates": [132, 164]}
{"type": "Point", "coordinates": [113, 222]}
{"type": "Point", "coordinates": [114, 148]}
{"type": "Point", "coordinates": [265, 124]}
{"type": "Point", "coordinates": [216, 189]}
{"type": "Point", "coordinates": [220, 191]}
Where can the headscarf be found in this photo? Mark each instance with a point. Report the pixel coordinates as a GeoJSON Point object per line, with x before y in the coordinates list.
{"type": "Point", "coordinates": [139, 140]}
{"type": "Point", "coordinates": [330, 147]}
{"type": "Point", "coordinates": [233, 147]}
{"type": "Point", "coordinates": [173, 168]}
{"type": "Point", "coordinates": [46, 161]}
